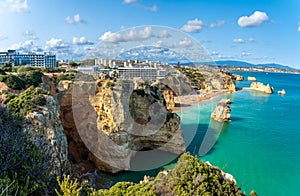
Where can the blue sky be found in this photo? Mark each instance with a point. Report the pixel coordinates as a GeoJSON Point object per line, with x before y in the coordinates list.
{"type": "Point", "coordinates": [256, 31]}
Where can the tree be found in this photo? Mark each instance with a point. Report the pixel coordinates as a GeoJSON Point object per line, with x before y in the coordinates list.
{"type": "Point", "coordinates": [73, 64]}
{"type": "Point", "coordinates": [7, 67]}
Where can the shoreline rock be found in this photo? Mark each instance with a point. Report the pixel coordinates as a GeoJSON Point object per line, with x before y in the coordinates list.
{"type": "Point", "coordinates": [258, 86]}
{"type": "Point", "coordinates": [282, 92]}
{"type": "Point", "coordinates": [237, 77]}
{"type": "Point", "coordinates": [222, 111]}
{"type": "Point", "coordinates": [251, 78]}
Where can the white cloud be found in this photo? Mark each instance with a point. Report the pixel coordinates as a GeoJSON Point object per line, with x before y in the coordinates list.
{"type": "Point", "coordinates": [193, 26]}
{"type": "Point", "coordinates": [81, 41]}
{"type": "Point", "coordinates": [129, 1]}
{"type": "Point", "coordinates": [152, 8]}
{"type": "Point", "coordinates": [131, 35]}
{"type": "Point", "coordinates": [30, 34]}
{"type": "Point", "coordinates": [26, 46]}
{"type": "Point", "coordinates": [15, 6]}
{"type": "Point", "coordinates": [55, 43]}
{"type": "Point", "coordinates": [251, 39]}
{"type": "Point", "coordinates": [75, 19]}
{"type": "Point", "coordinates": [217, 24]}
{"type": "Point", "coordinates": [3, 37]}
{"type": "Point", "coordinates": [213, 53]}
{"type": "Point", "coordinates": [256, 19]}
{"type": "Point", "coordinates": [185, 42]}
{"type": "Point", "coordinates": [239, 41]}
{"type": "Point", "coordinates": [163, 34]}
{"type": "Point", "coordinates": [244, 54]}
{"type": "Point", "coordinates": [163, 44]}
{"type": "Point", "coordinates": [299, 27]}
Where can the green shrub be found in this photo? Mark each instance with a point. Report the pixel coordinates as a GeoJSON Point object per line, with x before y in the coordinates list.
{"type": "Point", "coordinates": [7, 67]}
{"type": "Point", "coordinates": [65, 76]}
{"type": "Point", "coordinates": [23, 167]}
{"type": "Point", "coordinates": [28, 101]}
{"type": "Point", "coordinates": [33, 77]}
{"type": "Point", "coordinates": [53, 70]}
{"type": "Point", "coordinates": [23, 69]}
{"type": "Point", "coordinates": [68, 187]}
{"type": "Point", "coordinates": [2, 72]}
{"type": "Point", "coordinates": [13, 82]}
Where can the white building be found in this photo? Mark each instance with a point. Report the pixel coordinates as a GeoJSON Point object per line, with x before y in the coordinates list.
{"type": "Point", "coordinates": [141, 73]}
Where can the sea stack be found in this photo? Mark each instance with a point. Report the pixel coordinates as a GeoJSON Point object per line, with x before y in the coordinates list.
{"type": "Point", "coordinates": [222, 111]}
{"type": "Point", "coordinates": [282, 92]}
{"type": "Point", "coordinates": [251, 78]}
{"type": "Point", "coordinates": [258, 86]}
{"type": "Point", "coordinates": [237, 77]}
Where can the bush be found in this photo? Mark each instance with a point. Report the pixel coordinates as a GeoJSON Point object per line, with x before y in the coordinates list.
{"type": "Point", "coordinates": [2, 72]}
{"type": "Point", "coordinates": [53, 70]}
{"type": "Point", "coordinates": [68, 187]}
{"type": "Point", "coordinates": [23, 69]}
{"type": "Point", "coordinates": [13, 82]}
{"type": "Point", "coordinates": [28, 101]}
{"type": "Point", "coordinates": [33, 77]}
{"type": "Point", "coordinates": [7, 67]}
{"type": "Point", "coordinates": [66, 76]}
{"type": "Point", "coordinates": [23, 167]}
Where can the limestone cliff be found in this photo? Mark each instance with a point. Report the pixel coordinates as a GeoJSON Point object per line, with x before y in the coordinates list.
{"type": "Point", "coordinates": [107, 121]}
{"type": "Point", "coordinates": [46, 131]}
{"type": "Point", "coordinates": [222, 111]}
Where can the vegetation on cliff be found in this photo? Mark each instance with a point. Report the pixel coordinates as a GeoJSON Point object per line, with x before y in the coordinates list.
{"type": "Point", "coordinates": [23, 167]}
{"type": "Point", "coordinates": [189, 177]}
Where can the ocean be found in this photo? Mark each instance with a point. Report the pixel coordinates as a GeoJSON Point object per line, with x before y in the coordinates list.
{"type": "Point", "coordinates": [260, 147]}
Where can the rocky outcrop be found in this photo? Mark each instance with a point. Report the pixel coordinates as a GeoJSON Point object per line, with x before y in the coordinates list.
{"type": "Point", "coordinates": [168, 94]}
{"type": "Point", "coordinates": [282, 92]}
{"type": "Point", "coordinates": [251, 78]}
{"type": "Point", "coordinates": [179, 84]}
{"type": "Point", "coordinates": [258, 86]}
{"type": "Point", "coordinates": [107, 122]}
{"type": "Point", "coordinates": [222, 111]}
{"type": "Point", "coordinates": [46, 131]}
{"type": "Point", "coordinates": [237, 77]}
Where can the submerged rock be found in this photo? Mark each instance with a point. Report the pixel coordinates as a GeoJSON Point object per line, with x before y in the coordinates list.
{"type": "Point", "coordinates": [282, 92]}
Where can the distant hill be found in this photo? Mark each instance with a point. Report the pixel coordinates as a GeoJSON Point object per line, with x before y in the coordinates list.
{"type": "Point", "coordinates": [246, 64]}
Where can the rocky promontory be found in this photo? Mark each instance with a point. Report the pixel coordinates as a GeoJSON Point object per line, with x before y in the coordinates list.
{"type": "Point", "coordinates": [222, 111]}
{"type": "Point", "coordinates": [237, 77]}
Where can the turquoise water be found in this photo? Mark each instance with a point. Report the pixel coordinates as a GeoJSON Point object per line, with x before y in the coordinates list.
{"type": "Point", "coordinates": [261, 146]}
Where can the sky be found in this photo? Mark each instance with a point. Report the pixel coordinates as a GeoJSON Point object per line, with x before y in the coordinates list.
{"type": "Point", "coordinates": [255, 31]}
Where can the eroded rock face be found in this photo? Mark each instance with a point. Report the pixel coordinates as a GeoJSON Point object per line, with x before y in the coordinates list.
{"type": "Point", "coordinates": [222, 111]}
{"type": "Point", "coordinates": [261, 87]}
{"type": "Point", "coordinates": [238, 77]}
{"type": "Point", "coordinates": [106, 125]}
{"type": "Point", "coordinates": [46, 131]}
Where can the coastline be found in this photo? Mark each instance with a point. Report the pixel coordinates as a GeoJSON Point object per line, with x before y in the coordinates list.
{"type": "Point", "coordinates": [187, 101]}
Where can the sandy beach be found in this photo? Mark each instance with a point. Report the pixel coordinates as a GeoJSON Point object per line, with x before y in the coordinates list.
{"type": "Point", "coordinates": [185, 101]}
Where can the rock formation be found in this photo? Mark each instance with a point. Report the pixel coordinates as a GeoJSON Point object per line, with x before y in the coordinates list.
{"type": "Point", "coordinates": [222, 111]}
{"type": "Point", "coordinates": [237, 77]}
{"type": "Point", "coordinates": [258, 86]}
{"type": "Point", "coordinates": [107, 121]}
{"type": "Point", "coordinates": [282, 92]}
{"type": "Point", "coordinates": [46, 131]}
{"type": "Point", "coordinates": [251, 78]}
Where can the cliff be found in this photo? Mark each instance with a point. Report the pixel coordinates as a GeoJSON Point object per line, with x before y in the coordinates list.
{"type": "Point", "coordinates": [222, 111]}
{"type": "Point", "coordinates": [46, 131]}
{"type": "Point", "coordinates": [258, 86]}
{"type": "Point", "coordinates": [208, 80]}
{"type": "Point", "coordinates": [107, 121]}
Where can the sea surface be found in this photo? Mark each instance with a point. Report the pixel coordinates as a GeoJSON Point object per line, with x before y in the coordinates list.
{"type": "Point", "coordinates": [260, 147]}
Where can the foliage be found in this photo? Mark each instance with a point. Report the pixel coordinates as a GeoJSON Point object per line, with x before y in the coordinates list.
{"type": "Point", "coordinates": [28, 101]}
{"type": "Point", "coordinates": [110, 84]}
{"type": "Point", "coordinates": [23, 69]}
{"type": "Point", "coordinates": [2, 72]}
{"type": "Point", "coordinates": [53, 70]}
{"type": "Point", "coordinates": [33, 77]}
{"type": "Point", "coordinates": [65, 76]}
{"type": "Point", "coordinates": [13, 81]}
{"type": "Point", "coordinates": [23, 167]}
{"type": "Point", "coordinates": [68, 187]}
{"type": "Point", "coordinates": [73, 64]}
{"type": "Point", "coordinates": [7, 67]}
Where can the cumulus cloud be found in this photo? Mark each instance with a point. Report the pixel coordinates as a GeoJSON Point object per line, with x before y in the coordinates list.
{"type": "Point", "coordinates": [131, 35]}
{"type": "Point", "coordinates": [256, 19]}
{"type": "Point", "coordinates": [217, 24]}
{"type": "Point", "coordinates": [56, 43]}
{"type": "Point", "coordinates": [81, 41]}
{"type": "Point", "coordinates": [185, 42]}
{"type": "Point", "coordinates": [299, 27]}
{"type": "Point", "coordinates": [163, 34]}
{"type": "Point", "coordinates": [193, 26]}
{"type": "Point", "coordinates": [75, 19]}
{"type": "Point", "coordinates": [251, 39]}
{"type": "Point", "coordinates": [15, 6]}
{"type": "Point", "coordinates": [245, 54]}
{"type": "Point", "coordinates": [239, 41]}
{"type": "Point", "coordinates": [213, 53]}
{"type": "Point", "coordinates": [30, 34]}
{"type": "Point", "coordinates": [26, 46]}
